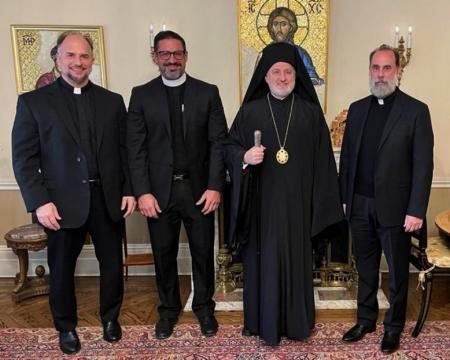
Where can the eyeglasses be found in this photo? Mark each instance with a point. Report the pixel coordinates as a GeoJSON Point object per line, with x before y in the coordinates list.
{"type": "Point", "coordinates": [165, 55]}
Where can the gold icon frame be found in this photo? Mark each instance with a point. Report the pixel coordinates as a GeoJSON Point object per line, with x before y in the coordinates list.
{"type": "Point", "coordinates": [32, 45]}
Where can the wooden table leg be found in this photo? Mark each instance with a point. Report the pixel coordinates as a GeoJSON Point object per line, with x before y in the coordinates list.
{"type": "Point", "coordinates": [22, 276]}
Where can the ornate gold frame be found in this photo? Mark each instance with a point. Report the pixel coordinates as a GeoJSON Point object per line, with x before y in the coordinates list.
{"type": "Point", "coordinates": [32, 45]}
{"type": "Point", "coordinates": [311, 35]}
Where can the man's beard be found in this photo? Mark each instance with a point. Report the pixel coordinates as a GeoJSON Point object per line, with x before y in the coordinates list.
{"type": "Point", "coordinates": [281, 93]}
{"type": "Point", "coordinates": [78, 80]}
{"type": "Point", "coordinates": [172, 75]}
{"type": "Point", "coordinates": [384, 88]}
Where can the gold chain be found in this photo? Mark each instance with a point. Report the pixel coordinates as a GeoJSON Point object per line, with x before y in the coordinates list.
{"type": "Point", "coordinates": [275, 125]}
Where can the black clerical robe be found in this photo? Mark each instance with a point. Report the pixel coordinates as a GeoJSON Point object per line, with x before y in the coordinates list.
{"type": "Point", "coordinates": [284, 207]}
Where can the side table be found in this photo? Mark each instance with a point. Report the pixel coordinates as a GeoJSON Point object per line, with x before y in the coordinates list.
{"type": "Point", "coordinates": [20, 240]}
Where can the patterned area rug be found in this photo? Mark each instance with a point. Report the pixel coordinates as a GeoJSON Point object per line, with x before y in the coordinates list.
{"type": "Point", "coordinates": [187, 343]}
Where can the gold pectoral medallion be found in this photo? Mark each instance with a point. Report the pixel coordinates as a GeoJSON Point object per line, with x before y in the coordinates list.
{"type": "Point", "coordinates": [282, 156]}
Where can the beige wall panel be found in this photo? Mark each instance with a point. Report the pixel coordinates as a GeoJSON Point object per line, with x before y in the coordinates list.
{"type": "Point", "coordinates": [12, 212]}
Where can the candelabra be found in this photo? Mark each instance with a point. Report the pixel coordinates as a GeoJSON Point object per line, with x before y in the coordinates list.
{"type": "Point", "coordinates": [152, 35]}
{"type": "Point", "coordinates": [404, 53]}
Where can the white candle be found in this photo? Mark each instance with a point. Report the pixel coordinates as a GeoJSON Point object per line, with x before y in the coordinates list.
{"type": "Point", "coordinates": [397, 33]}
{"type": "Point", "coordinates": [409, 39]}
{"type": "Point", "coordinates": [164, 27]}
{"type": "Point", "coordinates": [151, 35]}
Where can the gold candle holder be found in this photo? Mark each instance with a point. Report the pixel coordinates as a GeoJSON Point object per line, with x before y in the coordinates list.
{"type": "Point", "coordinates": [404, 52]}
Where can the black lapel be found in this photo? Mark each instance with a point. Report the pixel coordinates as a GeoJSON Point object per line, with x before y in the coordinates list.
{"type": "Point", "coordinates": [56, 98]}
{"type": "Point", "coordinates": [188, 103]}
{"type": "Point", "coordinates": [161, 104]}
{"type": "Point", "coordinates": [394, 116]}
{"type": "Point", "coordinates": [362, 124]}
{"type": "Point", "coordinates": [99, 100]}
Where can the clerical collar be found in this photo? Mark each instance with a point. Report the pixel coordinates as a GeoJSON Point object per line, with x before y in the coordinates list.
{"type": "Point", "coordinates": [173, 83]}
{"type": "Point", "coordinates": [387, 99]}
{"type": "Point", "coordinates": [74, 90]}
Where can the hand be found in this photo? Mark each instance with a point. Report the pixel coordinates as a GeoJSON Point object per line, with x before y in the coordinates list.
{"type": "Point", "coordinates": [48, 216]}
{"type": "Point", "coordinates": [412, 223]}
{"type": "Point", "coordinates": [128, 204]}
{"type": "Point", "coordinates": [344, 208]}
{"type": "Point", "coordinates": [211, 198]}
{"type": "Point", "coordinates": [254, 155]}
{"type": "Point", "coordinates": [148, 206]}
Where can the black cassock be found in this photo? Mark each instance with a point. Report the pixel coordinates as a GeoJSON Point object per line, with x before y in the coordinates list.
{"type": "Point", "coordinates": [295, 201]}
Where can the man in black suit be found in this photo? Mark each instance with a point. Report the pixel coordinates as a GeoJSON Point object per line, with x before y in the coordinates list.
{"type": "Point", "coordinates": [69, 159]}
{"type": "Point", "coordinates": [175, 128]}
{"type": "Point", "coordinates": [386, 169]}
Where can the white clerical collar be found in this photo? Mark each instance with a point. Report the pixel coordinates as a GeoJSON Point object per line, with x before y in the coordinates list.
{"type": "Point", "coordinates": [173, 83]}
{"type": "Point", "coordinates": [77, 90]}
{"type": "Point", "coordinates": [380, 101]}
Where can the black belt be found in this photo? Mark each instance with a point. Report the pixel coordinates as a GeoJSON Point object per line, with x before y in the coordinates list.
{"type": "Point", "coordinates": [180, 177]}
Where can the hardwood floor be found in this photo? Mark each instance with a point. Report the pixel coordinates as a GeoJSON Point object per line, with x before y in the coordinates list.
{"type": "Point", "coordinates": [141, 301]}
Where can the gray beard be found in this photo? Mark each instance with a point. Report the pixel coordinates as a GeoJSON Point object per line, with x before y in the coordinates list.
{"type": "Point", "coordinates": [281, 94]}
{"type": "Point", "coordinates": [382, 90]}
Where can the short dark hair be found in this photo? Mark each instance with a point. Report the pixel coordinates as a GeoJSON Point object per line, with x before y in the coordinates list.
{"type": "Point", "coordinates": [65, 34]}
{"type": "Point", "coordinates": [385, 47]}
{"type": "Point", "coordinates": [168, 34]}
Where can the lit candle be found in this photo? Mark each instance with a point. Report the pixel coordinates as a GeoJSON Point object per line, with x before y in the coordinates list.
{"type": "Point", "coordinates": [164, 27]}
{"type": "Point", "coordinates": [397, 33]}
{"type": "Point", "coordinates": [151, 35]}
{"type": "Point", "coordinates": [409, 39]}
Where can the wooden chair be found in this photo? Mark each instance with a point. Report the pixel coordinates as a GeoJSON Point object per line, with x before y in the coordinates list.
{"type": "Point", "coordinates": [431, 256]}
{"type": "Point", "coordinates": [134, 259]}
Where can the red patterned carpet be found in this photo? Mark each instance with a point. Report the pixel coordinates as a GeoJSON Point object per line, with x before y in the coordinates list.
{"type": "Point", "coordinates": [187, 343]}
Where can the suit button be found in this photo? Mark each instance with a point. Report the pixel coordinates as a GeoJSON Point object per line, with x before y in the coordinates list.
{"type": "Point", "coordinates": [78, 159]}
{"type": "Point", "coordinates": [84, 181]}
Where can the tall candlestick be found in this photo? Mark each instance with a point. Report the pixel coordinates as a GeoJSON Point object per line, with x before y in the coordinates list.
{"type": "Point", "coordinates": [151, 35]}
{"type": "Point", "coordinates": [409, 38]}
{"type": "Point", "coordinates": [397, 33]}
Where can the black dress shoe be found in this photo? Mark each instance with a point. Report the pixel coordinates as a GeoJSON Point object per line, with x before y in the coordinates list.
{"type": "Point", "coordinates": [390, 342]}
{"type": "Point", "coordinates": [112, 331]}
{"type": "Point", "coordinates": [164, 327]}
{"type": "Point", "coordinates": [208, 325]}
{"type": "Point", "coordinates": [69, 343]}
{"type": "Point", "coordinates": [357, 332]}
{"type": "Point", "coordinates": [247, 332]}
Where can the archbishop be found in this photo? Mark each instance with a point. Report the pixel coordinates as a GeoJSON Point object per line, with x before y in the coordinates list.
{"type": "Point", "coordinates": [284, 194]}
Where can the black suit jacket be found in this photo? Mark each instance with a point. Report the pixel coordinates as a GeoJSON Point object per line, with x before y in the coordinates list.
{"type": "Point", "coordinates": [150, 145]}
{"type": "Point", "coordinates": [49, 164]}
{"type": "Point", "coordinates": [404, 160]}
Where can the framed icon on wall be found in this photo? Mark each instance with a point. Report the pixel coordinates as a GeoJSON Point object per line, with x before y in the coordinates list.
{"type": "Point", "coordinates": [303, 23]}
{"type": "Point", "coordinates": [34, 48]}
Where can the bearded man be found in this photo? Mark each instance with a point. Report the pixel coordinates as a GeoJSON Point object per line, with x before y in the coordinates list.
{"type": "Point", "coordinates": [69, 159]}
{"type": "Point", "coordinates": [286, 195]}
{"type": "Point", "coordinates": [386, 169]}
{"type": "Point", "coordinates": [176, 126]}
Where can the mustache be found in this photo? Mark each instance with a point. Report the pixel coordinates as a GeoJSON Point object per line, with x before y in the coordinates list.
{"type": "Point", "coordinates": [78, 67]}
{"type": "Point", "coordinates": [176, 63]}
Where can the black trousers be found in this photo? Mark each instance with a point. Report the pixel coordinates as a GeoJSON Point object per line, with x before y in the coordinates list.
{"type": "Point", "coordinates": [369, 239]}
{"type": "Point", "coordinates": [64, 247]}
{"type": "Point", "coordinates": [164, 237]}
